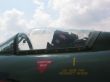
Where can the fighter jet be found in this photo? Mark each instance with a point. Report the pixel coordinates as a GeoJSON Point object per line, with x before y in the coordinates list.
{"type": "Point", "coordinates": [75, 56]}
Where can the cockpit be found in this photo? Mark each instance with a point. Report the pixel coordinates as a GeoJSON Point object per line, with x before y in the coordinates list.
{"type": "Point", "coordinates": [55, 41]}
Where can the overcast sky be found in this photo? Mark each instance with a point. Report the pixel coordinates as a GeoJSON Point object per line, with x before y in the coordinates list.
{"type": "Point", "coordinates": [23, 15]}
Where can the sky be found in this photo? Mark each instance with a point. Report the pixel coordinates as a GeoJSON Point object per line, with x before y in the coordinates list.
{"type": "Point", "coordinates": [24, 15]}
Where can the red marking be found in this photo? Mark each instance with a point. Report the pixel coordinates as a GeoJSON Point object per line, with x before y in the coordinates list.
{"type": "Point", "coordinates": [42, 65]}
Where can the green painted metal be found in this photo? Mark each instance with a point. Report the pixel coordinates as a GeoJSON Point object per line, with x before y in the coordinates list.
{"type": "Point", "coordinates": [95, 66]}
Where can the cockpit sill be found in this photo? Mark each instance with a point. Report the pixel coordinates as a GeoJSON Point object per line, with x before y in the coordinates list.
{"type": "Point", "coordinates": [47, 51]}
